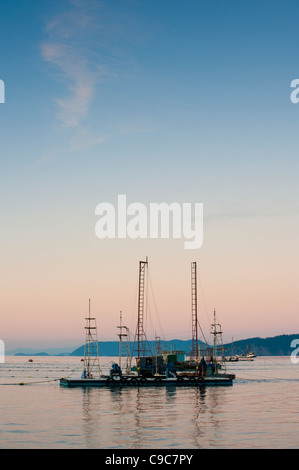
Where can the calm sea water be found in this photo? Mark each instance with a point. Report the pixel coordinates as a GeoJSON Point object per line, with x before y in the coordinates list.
{"type": "Point", "coordinates": [261, 409]}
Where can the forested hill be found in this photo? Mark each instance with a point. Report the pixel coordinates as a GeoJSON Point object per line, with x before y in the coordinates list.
{"type": "Point", "coordinates": [273, 346]}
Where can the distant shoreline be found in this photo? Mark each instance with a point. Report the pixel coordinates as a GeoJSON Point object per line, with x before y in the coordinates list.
{"type": "Point", "coordinates": [271, 346]}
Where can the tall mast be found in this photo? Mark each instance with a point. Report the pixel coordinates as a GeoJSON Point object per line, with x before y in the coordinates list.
{"type": "Point", "coordinates": [140, 336]}
{"type": "Point", "coordinates": [216, 330]}
{"type": "Point", "coordinates": [91, 353]}
{"type": "Point", "coordinates": [194, 349]}
{"type": "Point", "coordinates": [122, 335]}
{"type": "Point", "coordinates": [140, 328]}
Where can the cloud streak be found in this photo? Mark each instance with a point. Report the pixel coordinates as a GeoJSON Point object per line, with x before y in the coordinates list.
{"type": "Point", "coordinates": [79, 81]}
{"type": "Point", "coordinates": [67, 49]}
{"type": "Point", "coordinates": [85, 45]}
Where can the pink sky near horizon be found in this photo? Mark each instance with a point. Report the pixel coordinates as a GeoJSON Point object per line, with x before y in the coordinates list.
{"type": "Point", "coordinates": [242, 272]}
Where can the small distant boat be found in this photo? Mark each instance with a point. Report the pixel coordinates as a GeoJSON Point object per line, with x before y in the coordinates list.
{"type": "Point", "coordinates": [249, 356]}
{"type": "Point", "coordinates": [241, 357]}
{"type": "Point", "coordinates": [231, 359]}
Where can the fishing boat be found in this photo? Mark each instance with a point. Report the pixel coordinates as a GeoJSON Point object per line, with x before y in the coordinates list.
{"type": "Point", "coordinates": [152, 368]}
{"type": "Point", "coordinates": [231, 358]}
{"type": "Point", "coordinates": [249, 356]}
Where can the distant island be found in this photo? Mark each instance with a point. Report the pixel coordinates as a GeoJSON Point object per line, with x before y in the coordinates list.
{"type": "Point", "coordinates": [34, 354]}
{"type": "Point", "coordinates": [272, 346]}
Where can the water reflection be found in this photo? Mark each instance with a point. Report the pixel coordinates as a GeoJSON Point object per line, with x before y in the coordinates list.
{"type": "Point", "coordinates": [199, 408]}
{"type": "Point", "coordinates": [47, 415]}
{"type": "Point", "coordinates": [148, 417]}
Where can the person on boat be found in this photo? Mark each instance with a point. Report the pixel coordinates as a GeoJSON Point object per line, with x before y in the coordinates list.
{"type": "Point", "coordinates": [170, 370]}
{"type": "Point", "coordinates": [116, 370]}
{"type": "Point", "coordinates": [203, 367]}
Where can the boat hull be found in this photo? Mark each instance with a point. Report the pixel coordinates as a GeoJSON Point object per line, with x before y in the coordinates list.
{"type": "Point", "coordinates": [149, 382]}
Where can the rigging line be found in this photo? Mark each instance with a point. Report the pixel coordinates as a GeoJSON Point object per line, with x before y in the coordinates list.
{"type": "Point", "coordinates": [41, 381]}
{"type": "Point", "coordinates": [155, 305]}
{"type": "Point", "coordinates": [75, 370]}
{"type": "Point", "coordinates": [31, 383]}
{"type": "Point", "coordinates": [146, 313]}
{"type": "Point", "coordinates": [259, 377]}
{"type": "Point", "coordinates": [132, 326]}
{"type": "Point", "coordinates": [202, 333]}
{"type": "Point", "coordinates": [245, 378]}
{"type": "Point", "coordinates": [150, 320]}
{"type": "Point", "coordinates": [270, 378]}
{"type": "Point", "coordinates": [203, 297]}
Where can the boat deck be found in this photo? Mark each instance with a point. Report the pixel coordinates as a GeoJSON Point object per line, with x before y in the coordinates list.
{"type": "Point", "coordinates": [148, 382]}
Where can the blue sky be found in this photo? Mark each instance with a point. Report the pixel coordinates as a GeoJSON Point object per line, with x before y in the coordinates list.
{"type": "Point", "coordinates": [161, 101]}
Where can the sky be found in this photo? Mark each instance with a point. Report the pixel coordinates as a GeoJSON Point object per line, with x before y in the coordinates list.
{"type": "Point", "coordinates": [161, 101]}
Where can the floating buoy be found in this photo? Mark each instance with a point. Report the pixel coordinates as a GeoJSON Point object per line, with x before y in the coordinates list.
{"type": "Point", "coordinates": [21, 383]}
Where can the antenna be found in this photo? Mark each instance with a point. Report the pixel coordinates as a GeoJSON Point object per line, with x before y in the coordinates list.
{"type": "Point", "coordinates": [194, 348]}
{"type": "Point", "coordinates": [140, 336]}
{"type": "Point", "coordinates": [216, 330]}
{"type": "Point", "coordinates": [91, 353]}
{"type": "Point", "coordinates": [122, 335]}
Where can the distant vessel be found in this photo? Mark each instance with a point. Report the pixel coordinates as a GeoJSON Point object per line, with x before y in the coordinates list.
{"type": "Point", "coordinates": [153, 369]}
{"type": "Point", "coordinates": [231, 358]}
{"type": "Point", "coordinates": [91, 360]}
{"type": "Point", "coordinates": [249, 356]}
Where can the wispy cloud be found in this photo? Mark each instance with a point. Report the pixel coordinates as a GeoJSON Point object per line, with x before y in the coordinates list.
{"type": "Point", "coordinates": [85, 45]}
{"type": "Point", "coordinates": [78, 79]}
{"type": "Point", "coordinates": [65, 48]}
{"type": "Point", "coordinates": [71, 46]}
